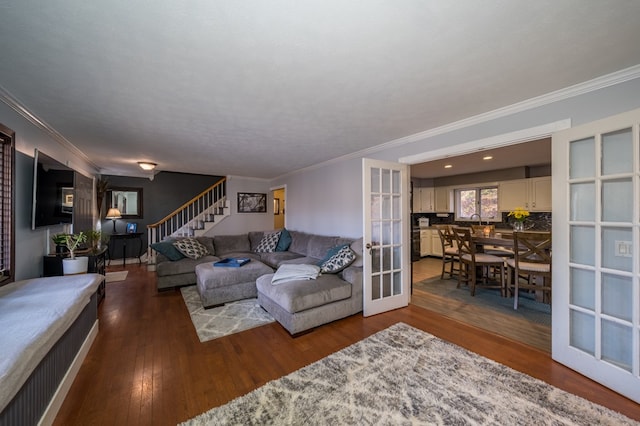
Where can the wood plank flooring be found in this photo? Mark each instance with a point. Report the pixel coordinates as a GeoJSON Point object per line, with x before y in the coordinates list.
{"type": "Point", "coordinates": [147, 366]}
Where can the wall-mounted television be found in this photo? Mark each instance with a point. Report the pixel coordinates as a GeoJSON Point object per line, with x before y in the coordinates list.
{"type": "Point", "coordinates": [53, 193]}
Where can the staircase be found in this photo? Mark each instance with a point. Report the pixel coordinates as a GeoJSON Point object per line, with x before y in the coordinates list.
{"type": "Point", "coordinates": [195, 217]}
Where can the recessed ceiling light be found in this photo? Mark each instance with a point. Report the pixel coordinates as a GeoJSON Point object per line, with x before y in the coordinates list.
{"type": "Point", "coordinates": [147, 165]}
{"type": "Point", "coordinates": [448, 166]}
{"type": "Point", "coordinates": [487, 157]}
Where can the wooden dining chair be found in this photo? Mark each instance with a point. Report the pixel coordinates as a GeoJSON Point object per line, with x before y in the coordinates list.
{"type": "Point", "coordinates": [532, 261]}
{"type": "Point", "coordinates": [472, 263]}
{"type": "Point", "coordinates": [450, 254]}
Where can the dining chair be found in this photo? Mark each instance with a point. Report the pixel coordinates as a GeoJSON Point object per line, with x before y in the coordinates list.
{"type": "Point", "coordinates": [531, 262]}
{"type": "Point", "coordinates": [473, 262]}
{"type": "Point", "coordinates": [450, 254]}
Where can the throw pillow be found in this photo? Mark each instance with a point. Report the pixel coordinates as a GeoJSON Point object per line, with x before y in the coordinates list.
{"type": "Point", "coordinates": [331, 252]}
{"type": "Point", "coordinates": [268, 243]}
{"type": "Point", "coordinates": [285, 240]}
{"type": "Point", "coordinates": [168, 250]}
{"type": "Point", "coordinates": [336, 263]}
{"type": "Point", "coordinates": [191, 248]}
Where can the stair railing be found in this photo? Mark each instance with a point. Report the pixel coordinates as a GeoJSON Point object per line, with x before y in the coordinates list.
{"type": "Point", "coordinates": [186, 218]}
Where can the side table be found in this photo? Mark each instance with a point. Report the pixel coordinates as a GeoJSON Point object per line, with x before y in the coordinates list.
{"type": "Point", "coordinates": [114, 238]}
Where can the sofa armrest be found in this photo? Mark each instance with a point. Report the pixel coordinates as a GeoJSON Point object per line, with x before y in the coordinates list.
{"type": "Point", "coordinates": [352, 275]}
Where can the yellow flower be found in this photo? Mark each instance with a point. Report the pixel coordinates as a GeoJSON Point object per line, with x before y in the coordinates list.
{"type": "Point", "coordinates": [519, 214]}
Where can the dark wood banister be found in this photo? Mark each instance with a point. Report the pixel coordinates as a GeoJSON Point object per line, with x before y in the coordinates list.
{"type": "Point", "coordinates": [182, 207]}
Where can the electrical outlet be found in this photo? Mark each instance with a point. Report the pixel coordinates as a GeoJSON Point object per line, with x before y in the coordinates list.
{"type": "Point", "coordinates": [623, 249]}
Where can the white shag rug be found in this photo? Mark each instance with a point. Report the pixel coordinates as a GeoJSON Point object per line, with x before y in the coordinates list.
{"type": "Point", "coordinates": [404, 376]}
{"type": "Point", "coordinates": [231, 318]}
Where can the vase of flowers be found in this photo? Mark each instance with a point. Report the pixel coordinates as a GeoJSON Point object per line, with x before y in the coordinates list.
{"type": "Point", "coordinates": [519, 215]}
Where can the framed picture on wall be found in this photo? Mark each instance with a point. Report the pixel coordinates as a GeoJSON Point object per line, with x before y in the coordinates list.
{"type": "Point", "coordinates": [127, 200]}
{"type": "Point", "coordinates": [276, 206]}
{"type": "Point", "coordinates": [252, 202]}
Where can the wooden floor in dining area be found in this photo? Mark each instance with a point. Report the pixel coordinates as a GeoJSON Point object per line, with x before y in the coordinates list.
{"type": "Point", "coordinates": [147, 366]}
{"type": "Point", "coordinates": [506, 324]}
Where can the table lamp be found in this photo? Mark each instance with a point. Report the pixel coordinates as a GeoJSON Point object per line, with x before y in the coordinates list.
{"type": "Point", "coordinates": [113, 214]}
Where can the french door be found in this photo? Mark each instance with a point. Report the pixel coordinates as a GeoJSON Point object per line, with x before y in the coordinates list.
{"type": "Point", "coordinates": [387, 243]}
{"type": "Point", "coordinates": [596, 247]}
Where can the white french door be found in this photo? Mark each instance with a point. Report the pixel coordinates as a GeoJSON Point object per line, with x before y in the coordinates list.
{"type": "Point", "coordinates": [387, 243]}
{"type": "Point", "coordinates": [596, 242]}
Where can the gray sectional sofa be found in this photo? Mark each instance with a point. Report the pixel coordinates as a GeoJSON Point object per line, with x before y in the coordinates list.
{"type": "Point", "coordinates": [297, 305]}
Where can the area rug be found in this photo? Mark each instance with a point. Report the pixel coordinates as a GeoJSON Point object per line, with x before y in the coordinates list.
{"type": "Point", "coordinates": [528, 308]}
{"type": "Point", "coordinates": [116, 276]}
{"type": "Point", "coordinates": [224, 320]}
{"type": "Point", "coordinates": [402, 375]}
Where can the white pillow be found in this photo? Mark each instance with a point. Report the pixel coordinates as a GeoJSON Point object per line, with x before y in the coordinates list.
{"type": "Point", "coordinates": [191, 248]}
{"type": "Point", "coordinates": [268, 243]}
{"type": "Point", "coordinates": [336, 263]}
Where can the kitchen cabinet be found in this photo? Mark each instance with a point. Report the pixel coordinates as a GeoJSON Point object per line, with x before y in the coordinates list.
{"type": "Point", "coordinates": [443, 199]}
{"type": "Point", "coordinates": [425, 242]}
{"type": "Point", "coordinates": [436, 245]}
{"type": "Point", "coordinates": [423, 200]}
{"type": "Point", "coordinates": [531, 194]}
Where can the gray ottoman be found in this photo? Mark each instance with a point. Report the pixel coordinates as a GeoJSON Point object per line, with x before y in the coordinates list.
{"type": "Point", "coordinates": [218, 285]}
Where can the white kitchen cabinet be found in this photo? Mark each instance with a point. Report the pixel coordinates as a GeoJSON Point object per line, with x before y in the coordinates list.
{"type": "Point", "coordinates": [443, 199]}
{"type": "Point", "coordinates": [425, 242]}
{"type": "Point", "coordinates": [530, 194]}
{"type": "Point", "coordinates": [436, 245]}
{"type": "Point", "coordinates": [423, 200]}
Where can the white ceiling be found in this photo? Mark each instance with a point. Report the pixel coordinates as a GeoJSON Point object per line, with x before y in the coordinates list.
{"type": "Point", "coordinates": [527, 154]}
{"type": "Point", "coordinates": [260, 88]}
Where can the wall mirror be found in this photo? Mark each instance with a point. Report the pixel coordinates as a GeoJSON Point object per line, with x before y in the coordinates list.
{"type": "Point", "coordinates": [127, 200]}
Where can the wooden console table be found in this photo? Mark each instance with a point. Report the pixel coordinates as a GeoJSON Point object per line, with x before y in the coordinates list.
{"type": "Point", "coordinates": [124, 238]}
{"type": "Point", "coordinates": [52, 266]}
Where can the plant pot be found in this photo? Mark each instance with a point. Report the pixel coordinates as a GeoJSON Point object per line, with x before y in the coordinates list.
{"type": "Point", "coordinates": [518, 226]}
{"type": "Point", "coordinates": [79, 265]}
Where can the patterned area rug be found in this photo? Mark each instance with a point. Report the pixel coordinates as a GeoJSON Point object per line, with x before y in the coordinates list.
{"type": "Point", "coordinates": [224, 320]}
{"type": "Point", "coordinates": [402, 375]}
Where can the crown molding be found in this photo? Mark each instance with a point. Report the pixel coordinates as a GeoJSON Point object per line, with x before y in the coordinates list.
{"type": "Point", "coordinates": [612, 79]}
{"type": "Point", "coordinates": [17, 106]}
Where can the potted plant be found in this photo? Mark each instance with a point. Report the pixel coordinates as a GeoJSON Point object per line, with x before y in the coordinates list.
{"type": "Point", "coordinates": [75, 265]}
{"type": "Point", "coordinates": [94, 238]}
{"type": "Point", "coordinates": [60, 240]}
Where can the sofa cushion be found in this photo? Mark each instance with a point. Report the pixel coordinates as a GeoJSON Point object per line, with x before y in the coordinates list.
{"type": "Point", "coordinates": [357, 247]}
{"type": "Point", "coordinates": [231, 243]}
{"type": "Point", "coordinates": [319, 245]}
{"type": "Point", "coordinates": [182, 266]}
{"type": "Point", "coordinates": [191, 248]}
{"type": "Point", "coordinates": [208, 243]}
{"type": "Point", "coordinates": [255, 237]}
{"type": "Point", "coordinates": [338, 261]}
{"type": "Point", "coordinates": [168, 250]}
{"type": "Point", "coordinates": [285, 240]}
{"type": "Point", "coordinates": [297, 296]}
{"type": "Point", "coordinates": [299, 242]}
{"type": "Point", "coordinates": [277, 258]}
{"type": "Point", "coordinates": [268, 243]}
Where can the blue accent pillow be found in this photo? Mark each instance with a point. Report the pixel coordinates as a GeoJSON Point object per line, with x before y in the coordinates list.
{"type": "Point", "coordinates": [331, 252]}
{"type": "Point", "coordinates": [168, 250]}
{"type": "Point", "coordinates": [285, 240]}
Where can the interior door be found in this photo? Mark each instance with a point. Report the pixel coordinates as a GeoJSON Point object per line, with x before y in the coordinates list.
{"type": "Point", "coordinates": [596, 267]}
{"type": "Point", "coordinates": [387, 240]}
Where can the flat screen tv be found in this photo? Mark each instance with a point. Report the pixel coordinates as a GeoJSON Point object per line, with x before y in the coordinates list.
{"type": "Point", "coordinates": [52, 192]}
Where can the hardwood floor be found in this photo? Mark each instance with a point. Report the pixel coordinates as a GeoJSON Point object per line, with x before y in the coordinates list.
{"type": "Point", "coordinates": [147, 365]}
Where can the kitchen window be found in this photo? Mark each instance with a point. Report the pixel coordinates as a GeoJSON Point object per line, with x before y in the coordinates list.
{"type": "Point", "coordinates": [480, 201]}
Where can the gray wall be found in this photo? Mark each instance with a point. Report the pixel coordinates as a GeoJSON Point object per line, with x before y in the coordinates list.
{"type": "Point", "coordinates": [328, 199]}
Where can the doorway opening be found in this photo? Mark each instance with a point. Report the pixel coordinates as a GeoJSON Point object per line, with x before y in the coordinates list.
{"type": "Point", "coordinates": [279, 196]}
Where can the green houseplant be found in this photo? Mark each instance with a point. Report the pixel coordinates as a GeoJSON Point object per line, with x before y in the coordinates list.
{"type": "Point", "coordinates": [94, 238]}
{"type": "Point", "coordinates": [60, 240]}
{"type": "Point", "coordinates": [75, 265]}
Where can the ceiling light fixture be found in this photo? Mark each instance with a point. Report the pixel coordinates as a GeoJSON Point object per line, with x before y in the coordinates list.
{"type": "Point", "coordinates": [487, 157]}
{"type": "Point", "coordinates": [147, 165]}
{"type": "Point", "coordinates": [448, 166]}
